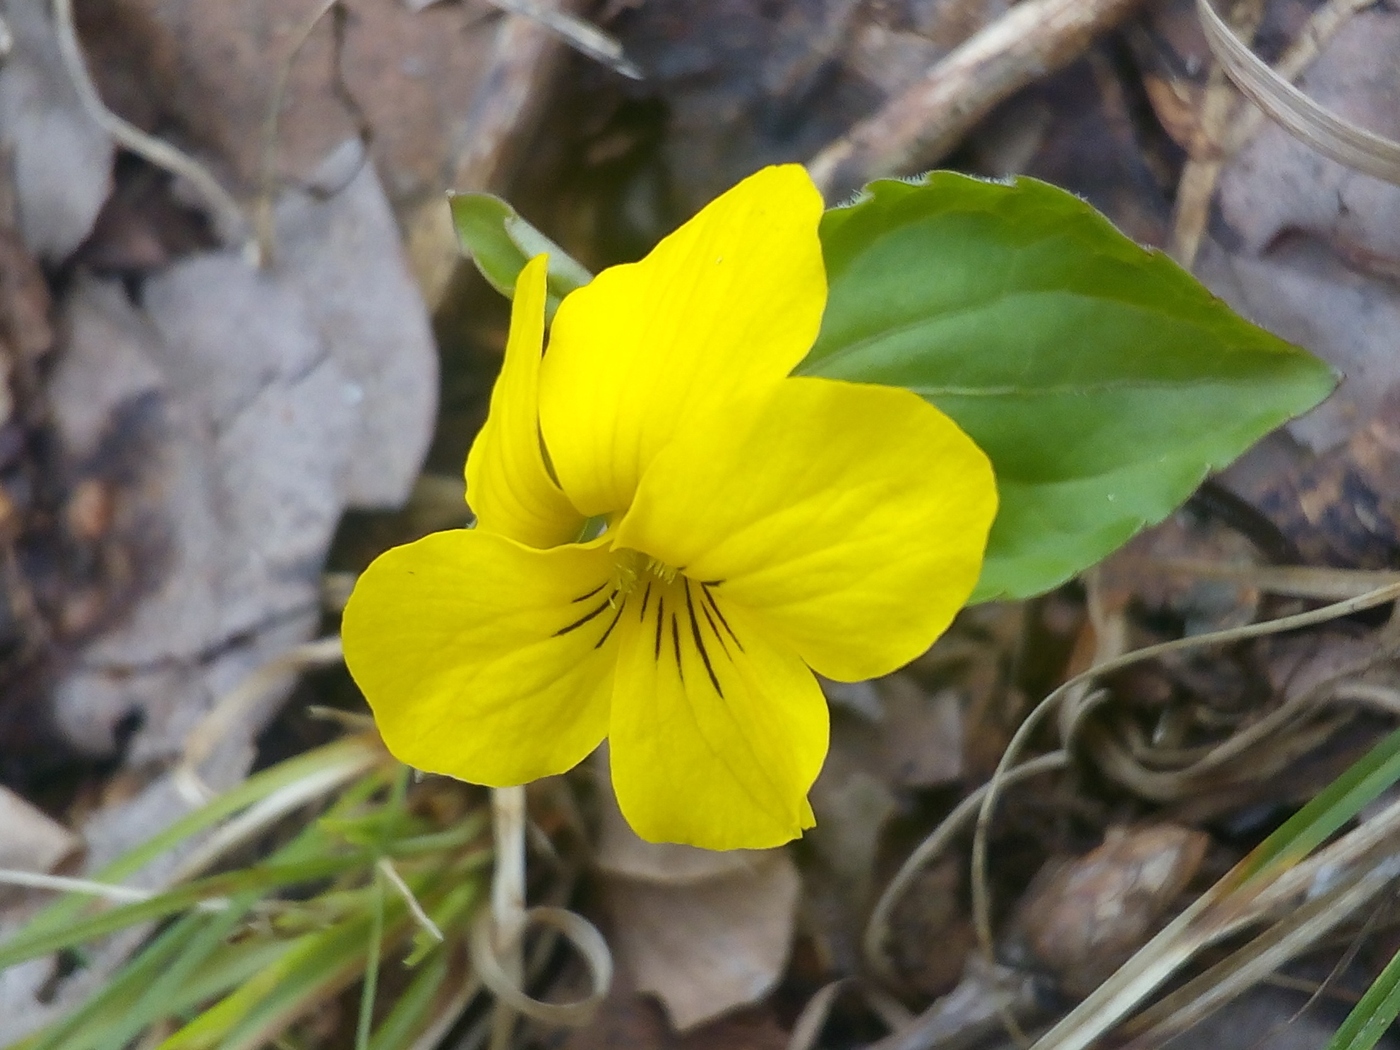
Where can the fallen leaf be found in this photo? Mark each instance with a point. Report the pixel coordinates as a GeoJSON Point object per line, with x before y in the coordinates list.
{"type": "Point", "coordinates": [1083, 917]}
{"type": "Point", "coordinates": [634, 1021]}
{"type": "Point", "coordinates": [705, 932]}
{"type": "Point", "coordinates": [709, 947]}
{"type": "Point", "coordinates": [60, 157]}
{"type": "Point", "coordinates": [29, 839]}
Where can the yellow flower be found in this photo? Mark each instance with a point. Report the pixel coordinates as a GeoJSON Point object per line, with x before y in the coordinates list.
{"type": "Point", "coordinates": [758, 527]}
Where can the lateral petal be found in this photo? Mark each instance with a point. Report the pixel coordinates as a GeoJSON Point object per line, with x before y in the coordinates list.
{"type": "Point", "coordinates": [717, 731]}
{"type": "Point", "coordinates": [483, 659]}
{"type": "Point", "coordinates": [851, 518]}
{"type": "Point", "coordinates": [729, 302]}
{"type": "Point", "coordinates": [508, 484]}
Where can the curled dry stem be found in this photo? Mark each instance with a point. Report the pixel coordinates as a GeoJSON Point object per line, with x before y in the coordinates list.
{"type": "Point", "coordinates": [981, 904]}
{"type": "Point", "coordinates": [1195, 926]}
{"type": "Point", "coordinates": [1294, 111]}
{"type": "Point", "coordinates": [878, 928]}
{"type": "Point", "coordinates": [228, 214]}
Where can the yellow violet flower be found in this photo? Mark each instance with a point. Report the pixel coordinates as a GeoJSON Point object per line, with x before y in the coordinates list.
{"type": "Point", "coordinates": [759, 527]}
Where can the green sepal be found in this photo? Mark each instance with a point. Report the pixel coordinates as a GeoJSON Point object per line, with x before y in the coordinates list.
{"type": "Point", "coordinates": [494, 236]}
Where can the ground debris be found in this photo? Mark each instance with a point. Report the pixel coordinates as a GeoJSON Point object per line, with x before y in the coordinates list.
{"type": "Point", "coordinates": [1083, 917]}
{"type": "Point", "coordinates": [704, 932]}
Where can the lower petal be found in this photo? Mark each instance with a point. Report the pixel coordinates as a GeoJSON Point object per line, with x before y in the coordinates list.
{"type": "Point", "coordinates": [717, 732]}
{"type": "Point", "coordinates": [483, 659]}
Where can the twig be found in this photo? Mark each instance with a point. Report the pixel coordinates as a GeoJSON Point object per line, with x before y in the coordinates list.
{"type": "Point", "coordinates": [229, 216]}
{"type": "Point", "coordinates": [234, 706]}
{"type": "Point", "coordinates": [106, 890]}
{"type": "Point", "coordinates": [1199, 177]}
{"type": "Point", "coordinates": [922, 124]}
{"type": "Point", "coordinates": [262, 212]}
{"type": "Point", "coordinates": [387, 869]}
{"type": "Point", "coordinates": [583, 36]}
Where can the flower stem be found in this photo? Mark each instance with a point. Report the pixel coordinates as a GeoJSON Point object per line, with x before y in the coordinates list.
{"type": "Point", "coordinates": [508, 899]}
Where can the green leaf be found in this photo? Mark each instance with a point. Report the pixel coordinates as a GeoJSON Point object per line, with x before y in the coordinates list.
{"type": "Point", "coordinates": [1372, 1016]}
{"type": "Point", "coordinates": [500, 242]}
{"type": "Point", "coordinates": [1102, 379]}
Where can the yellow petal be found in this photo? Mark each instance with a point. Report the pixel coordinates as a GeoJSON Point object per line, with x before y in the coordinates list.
{"type": "Point", "coordinates": [851, 518]}
{"type": "Point", "coordinates": [483, 659]}
{"type": "Point", "coordinates": [717, 733]}
{"type": "Point", "coordinates": [508, 484]}
{"type": "Point", "coordinates": [729, 302]}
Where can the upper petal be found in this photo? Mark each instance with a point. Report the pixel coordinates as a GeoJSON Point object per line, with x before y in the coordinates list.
{"type": "Point", "coordinates": [717, 730]}
{"type": "Point", "coordinates": [508, 484]}
{"type": "Point", "coordinates": [852, 518]}
{"type": "Point", "coordinates": [483, 659]}
{"type": "Point", "coordinates": [729, 302]}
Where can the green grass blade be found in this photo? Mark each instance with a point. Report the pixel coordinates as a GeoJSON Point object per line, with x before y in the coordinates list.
{"type": "Point", "coordinates": [31, 943]}
{"type": "Point", "coordinates": [351, 752]}
{"type": "Point", "coordinates": [81, 1029]}
{"type": "Point", "coordinates": [154, 1002]}
{"type": "Point", "coordinates": [317, 966]}
{"type": "Point", "coordinates": [1362, 783]}
{"type": "Point", "coordinates": [413, 1007]}
{"type": "Point", "coordinates": [1371, 1018]}
{"type": "Point", "coordinates": [371, 982]}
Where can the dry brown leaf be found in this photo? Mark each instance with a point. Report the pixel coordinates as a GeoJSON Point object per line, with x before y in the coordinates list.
{"type": "Point", "coordinates": [628, 1020]}
{"type": "Point", "coordinates": [1082, 918]}
{"type": "Point", "coordinates": [709, 947]}
{"type": "Point", "coordinates": [705, 932]}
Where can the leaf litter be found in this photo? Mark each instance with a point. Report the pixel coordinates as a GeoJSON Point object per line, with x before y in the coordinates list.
{"type": "Point", "coordinates": [208, 425]}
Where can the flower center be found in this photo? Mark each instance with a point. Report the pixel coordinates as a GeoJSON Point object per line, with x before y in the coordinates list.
{"type": "Point", "coordinates": [633, 569]}
{"type": "Point", "coordinates": [679, 617]}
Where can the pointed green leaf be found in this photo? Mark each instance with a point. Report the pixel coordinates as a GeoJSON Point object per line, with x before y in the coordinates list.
{"type": "Point", "coordinates": [500, 242]}
{"type": "Point", "coordinates": [1102, 379]}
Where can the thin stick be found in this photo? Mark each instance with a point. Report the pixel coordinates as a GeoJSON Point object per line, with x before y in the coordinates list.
{"type": "Point", "coordinates": [106, 890]}
{"type": "Point", "coordinates": [420, 916]}
{"type": "Point", "coordinates": [1199, 177]}
{"type": "Point", "coordinates": [267, 188]}
{"type": "Point", "coordinates": [239, 702]}
{"type": "Point", "coordinates": [920, 125]}
{"type": "Point", "coordinates": [232, 223]}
